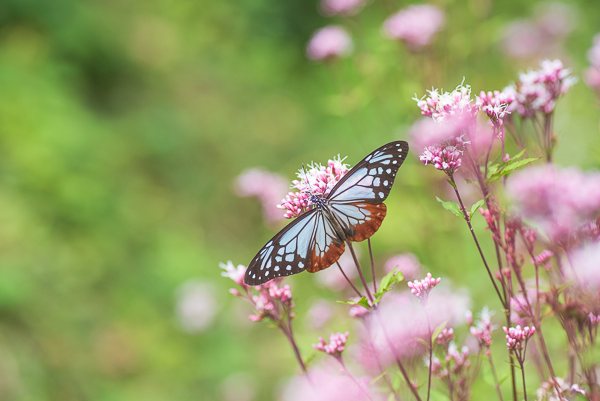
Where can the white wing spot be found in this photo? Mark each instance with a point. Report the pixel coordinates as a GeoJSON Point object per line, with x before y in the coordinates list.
{"type": "Point", "coordinates": [288, 267]}
{"type": "Point", "coordinates": [289, 258]}
{"type": "Point", "coordinates": [385, 183]}
{"type": "Point", "coordinates": [267, 273]}
{"type": "Point", "coordinates": [300, 265]}
{"type": "Point", "coordinates": [389, 170]}
{"type": "Point", "coordinates": [380, 170]}
{"type": "Point", "coordinates": [376, 181]}
{"type": "Point", "coordinates": [394, 161]}
{"type": "Point", "coordinates": [276, 268]}
{"type": "Point", "coordinates": [381, 194]}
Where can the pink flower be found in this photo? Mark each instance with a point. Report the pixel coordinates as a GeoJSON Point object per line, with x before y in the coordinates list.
{"type": "Point", "coordinates": [557, 201]}
{"type": "Point", "coordinates": [495, 105]}
{"type": "Point", "coordinates": [319, 313]}
{"type": "Point", "coordinates": [270, 301]}
{"type": "Point", "coordinates": [329, 43]}
{"type": "Point", "coordinates": [401, 324]}
{"type": "Point", "coordinates": [543, 258]}
{"type": "Point", "coordinates": [548, 391]}
{"type": "Point", "coordinates": [316, 180]}
{"type": "Point", "coordinates": [336, 345]}
{"type": "Point", "coordinates": [341, 7]}
{"type": "Point", "coordinates": [439, 105]}
{"type": "Point", "coordinates": [268, 187]}
{"type": "Point", "coordinates": [197, 306]}
{"type": "Point", "coordinates": [328, 383]}
{"type": "Point", "coordinates": [358, 312]}
{"type": "Point", "coordinates": [406, 263]}
{"type": "Point", "coordinates": [415, 25]}
{"type": "Point", "coordinates": [235, 273]}
{"type": "Point", "coordinates": [538, 90]}
{"type": "Point", "coordinates": [445, 336]}
{"type": "Point", "coordinates": [585, 268]}
{"type": "Point", "coordinates": [446, 158]}
{"type": "Point", "coordinates": [541, 36]}
{"type": "Point", "coordinates": [421, 288]}
{"type": "Point", "coordinates": [517, 337]}
{"type": "Point", "coordinates": [482, 330]}
{"type": "Point", "coordinates": [592, 74]}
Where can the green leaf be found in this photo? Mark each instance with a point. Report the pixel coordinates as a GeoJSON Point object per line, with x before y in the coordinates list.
{"type": "Point", "coordinates": [498, 171]}
{"type": "Point", "coordinates": [475, 207]}
{"type": "Point", "coordinates": [387, 282]}
{"type": "Point", "coordinates": [452, 207]}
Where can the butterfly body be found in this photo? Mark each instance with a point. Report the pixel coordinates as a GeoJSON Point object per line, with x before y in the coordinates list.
{"type": "Point", "coordinates": [352, 211]}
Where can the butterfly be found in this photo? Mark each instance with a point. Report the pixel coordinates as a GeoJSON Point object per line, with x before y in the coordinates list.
{"type": "Point", "coordinates": [352, 211]}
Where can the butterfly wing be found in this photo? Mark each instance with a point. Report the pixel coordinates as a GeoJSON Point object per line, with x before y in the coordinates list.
{"type": "Point", "coordinates": [308, 243]}
{"type": "Point", "coordinates": [357, 199]}
{"type": "Point", "coordinates": [371, 180]}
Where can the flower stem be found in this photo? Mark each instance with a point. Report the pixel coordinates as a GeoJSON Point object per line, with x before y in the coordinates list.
{"type": "Point", "coordinates": [468, 221]}
{"type": "Point", "coordinates": [360, 295]}
{"type": "Point", "coordinates": [523, 378]}
{"type": "Point", "coordinates": [288, 332]}
{"type": "Point", "coordinates": [495, 375]}
{"type": "Point", "coordinates": [360, 274]}
{"type": "Point", "coordinates": [372, 265]}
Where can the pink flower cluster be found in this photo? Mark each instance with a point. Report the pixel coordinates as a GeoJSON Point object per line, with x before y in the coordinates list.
{"type": "Point", "coordinates": [406, 263]}
{"type": "Point", "coordinates": [538, 90]}
{"type": "Point", "coordinates": [421, 288]}
{"type": "Point", "coordinates": [233, 272]}
{"type": "Point", "coordinates": [415, 25]}
{"type": "Point", "coordinates": [336, 345]}
{"type": "Point", "coordinates": [268, 301]}
{"type": "Point", "coordinates": [447, 158]}
{"type": "Point", "coordinates": [592, 74]}
{"type": "Point", "coordinates": [439, 105]}
{"type": "Point", "coordinates": [548, 390]}
{"type": "Point", "coordinates": [557, 201]}
{"type": "Point", "coordinates": [341, 7]}
{"type": "Point", "coordinates": [517, 337]}
{"type": "Point", "coordinates": [482, 330]}
{"type": "Point", "coordinates": [495, 105]}
{"type": "Point", "coordinates": [328, 43]}
{"type": "Point", "coordinates": [594, 319]}
{"type": "Point", "coordinates": [268, 187]}
{"type": "Point", "coordinates": [317, 180]}
{"type": "Point", "coordinates": [445, 336]}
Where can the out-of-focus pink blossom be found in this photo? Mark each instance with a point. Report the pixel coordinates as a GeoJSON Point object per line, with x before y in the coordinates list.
{"type": "Point", "coordinates": [459, 358]}
{"type": "Point", "coordinates": [328, 383]}
{"type": "Point", "coordinates": [336, 345]}
{"type": "Point", "coordinates": [315, 180]}
{"type": "Point", "coordinates": [341, 7]}
{"type": "Point", "coordinates": [594, 318]}
{"type": "Point", "coordinates": [406, 263]}
{"type": "Point", "coordinates": [543, 258]}
{"type": "Point", "coordinates": [329, 43]}
{"type": "Point", "coordinates": [483, 328]}
{"type": "Point", "coordinates": [445, 336]}
{"type": "Point", "coordinates": [267, 187]}
{"type": "Point", "coordinates": [540, 36]}
{"type": "Point", "coordinates": [592, 74]}
{"type": "Point", "coordinates": [358, 312]}
{"type": "Point", "coordinates": [557, 201]}
{"type": "Point", "coordinates": [401, 324]}
{"type": "Point", "coordinates": [584, 268]}
{"type": "Point", "coordinates": [197, 306]}
{"type": "Point", "coordinates": [332, 278]}
{"type": "Point", "coordinates": [538, 90]}
{"type": "Point", "coordinates": [320, 313]}
{"type": "Point", "coordinates": [421, 288]}
{"type": "Point", "coordinates": [415, 25]}
{"type": "Point", "coordinates": [549, 392]}
{"type": "Point", "coordinates": [517, 337]}
{"type": "Point", "coordinates": [233, 272]}
{"type": "Point", "coordinates": [270, 301]}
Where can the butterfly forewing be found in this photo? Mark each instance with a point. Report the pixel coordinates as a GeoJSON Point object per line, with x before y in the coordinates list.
{"type": "Point", "coordinates": [371, 180]}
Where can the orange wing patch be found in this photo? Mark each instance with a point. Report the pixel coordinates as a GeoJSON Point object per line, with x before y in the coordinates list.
{"type": "Point", "coordinates": [322, 261]}
{"type": "Point", "coordinates": [371, 224]}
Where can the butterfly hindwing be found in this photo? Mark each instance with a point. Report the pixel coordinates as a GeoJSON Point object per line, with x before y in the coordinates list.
{"type": "Point", "coordinates": [371, 180]}
{"type": "Point", "coordinates": [360, 219]}
{"type": "Point", "coordinates": [327, 247]}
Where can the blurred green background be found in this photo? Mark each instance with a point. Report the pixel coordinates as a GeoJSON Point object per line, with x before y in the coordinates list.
{"type": "Point", "coordinates": [123, 125]}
